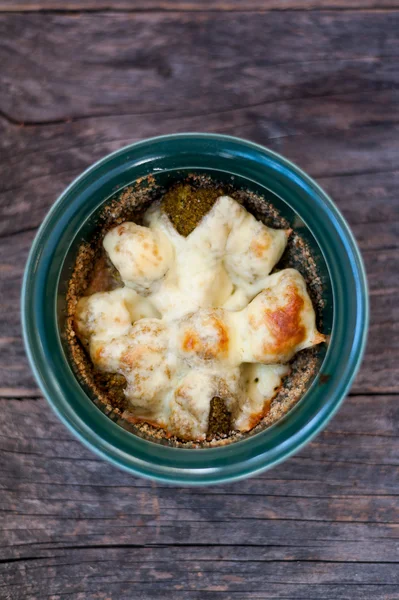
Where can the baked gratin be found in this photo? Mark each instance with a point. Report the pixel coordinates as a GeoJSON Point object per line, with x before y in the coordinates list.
{"type": "Point", "coordinates": [195, 325]}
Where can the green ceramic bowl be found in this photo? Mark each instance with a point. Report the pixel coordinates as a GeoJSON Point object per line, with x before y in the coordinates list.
{"type": "Point", "coordinates": [300, 199]}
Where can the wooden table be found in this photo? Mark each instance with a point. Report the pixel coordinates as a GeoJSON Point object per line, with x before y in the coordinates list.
{"type": "Point", "coordinates": [317, 81]}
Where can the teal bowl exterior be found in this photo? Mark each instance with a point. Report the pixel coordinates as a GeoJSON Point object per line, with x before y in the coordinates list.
{"type": "Point", "coordinates": [43, 294]}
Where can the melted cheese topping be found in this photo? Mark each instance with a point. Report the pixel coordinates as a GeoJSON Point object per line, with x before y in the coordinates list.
{"type": "Point", "coordinates": [229, 251]}
{"type": "Point", "coordinates": [261, 385]}
{"type": "Point", "coordinates": [108, 315]}
{"type": "Point", "coordinates": [199, 317]}
{"type": "Point", "coordinates": [141, 255]}
{"type": "Point", "coordinates": [197, 278]}
{"type": "Point", "coordinates": [281, 319]}
{"type": "Point", "coordinates": [252, 250]}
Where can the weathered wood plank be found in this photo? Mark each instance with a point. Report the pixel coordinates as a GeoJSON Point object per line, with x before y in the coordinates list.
{"type": "Point", "coordinates": [331, 138]}
{"type": "Point", "coordinates": [330, 117]}
{"type": "Point", "coordinates": [183, 63]}
{"type": "Point", "coordinates": [191, 5]}
{"type": "Point", "coordinates": [339, 125]}
{"type": "Point", "coordinates": [320, 87]}
{"type": "Point", "coordinates": [73, 520]}
{"type": "Point", "coordinates": [149, 573]}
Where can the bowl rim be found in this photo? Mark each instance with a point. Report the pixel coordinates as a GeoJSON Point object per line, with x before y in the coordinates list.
{"type": "Point", "coordinates": [190, 476]}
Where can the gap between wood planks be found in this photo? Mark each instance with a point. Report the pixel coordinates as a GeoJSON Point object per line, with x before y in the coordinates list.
{"type": "Point", "coordinates": [229, 560]}
{"type": "Point", "coordinates": [194, 8]}
{"type": "Point", "coordinates": [173, 114]}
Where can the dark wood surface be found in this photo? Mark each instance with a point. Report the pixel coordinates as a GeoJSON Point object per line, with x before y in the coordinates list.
{"type": "Point", "coordinates": [79, 79]}
{"type": "Point", "coordinates": [193, 5]}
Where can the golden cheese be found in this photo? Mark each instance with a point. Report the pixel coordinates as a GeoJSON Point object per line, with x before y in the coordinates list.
{"type": "Point", "coordinates": [199, 316]}
{"type": "Point", "coordinates": [108, 315]}
{"type": "Point", "coordinates": [252, 250]}
{"type": "Point", "coordinates": [261, 384]}
{"type": "Point", "coordinates": [229, 251]}
{"type": "Point", "coordinates": [281, 320]}
{"type": "Point", "coordinates": [141, 255]}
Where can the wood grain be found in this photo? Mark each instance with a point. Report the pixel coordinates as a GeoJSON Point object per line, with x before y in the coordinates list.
{"type": "Point", "coordinates": [322, 88]}
{"type": "Point", "coordinates": [333, 138]}
{"type": "Point", "coordinates": [317, 521]}
{"type": "Point", "coordinates": [187, 64]}
{"type": "Point", "coordinates": [191, 5]}
{"type": "Point", "coordinates": [328, 100]}
{"type": "Point", "coordinates": [162, 574]}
